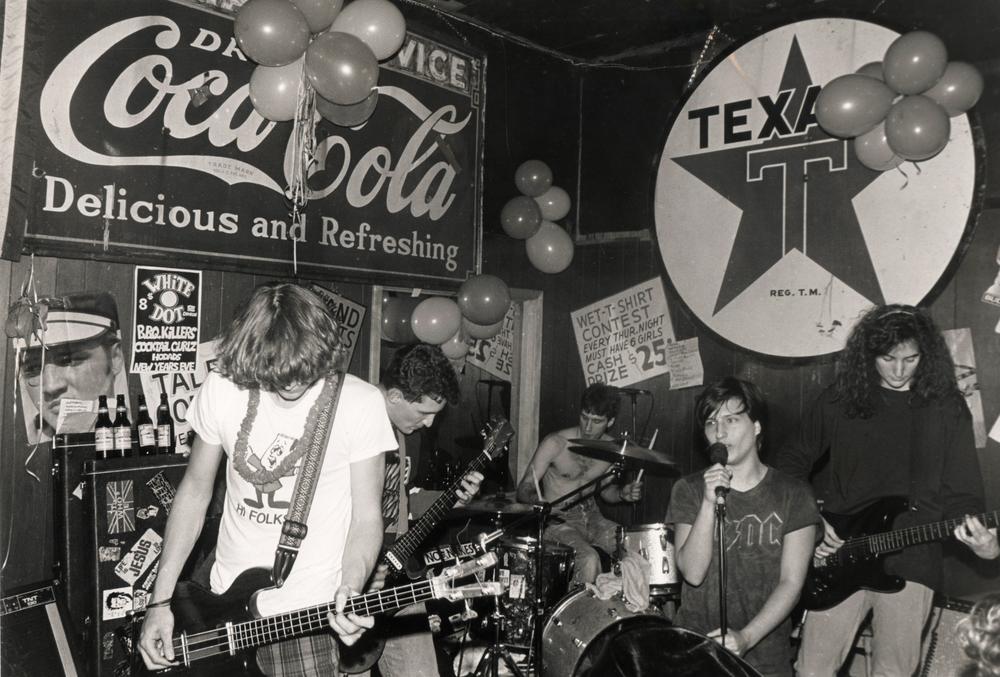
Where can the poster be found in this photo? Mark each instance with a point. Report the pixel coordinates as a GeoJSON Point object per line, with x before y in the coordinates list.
{"type": "Point", "coordinates": [959, 343]}
{"type": "Point", "coordinates": [180, 389]}
{"type": "Point", "coordinates": [114, 155]}
{"type": "Point", "coordinates": [496, 355]}
{"type": "Point", "coordinates": [167, 305]}
{"type": "Point", "coordinates": [348, 314]}
{"type": "Point", "coordinates": [623, 339]}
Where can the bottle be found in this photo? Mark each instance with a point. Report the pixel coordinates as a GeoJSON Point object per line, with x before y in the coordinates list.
{"type": "Point", "coordinates": [122, 430]}
{"type": "Point", "coordinates": [164, 427]}
{"type": "Point", "coordinates": [104, 437]}
{"type": "Point", "coordinates": [145, 429]}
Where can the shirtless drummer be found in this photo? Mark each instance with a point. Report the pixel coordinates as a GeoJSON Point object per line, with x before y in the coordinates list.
{"type": "Point", "coordinates": [556, 469]}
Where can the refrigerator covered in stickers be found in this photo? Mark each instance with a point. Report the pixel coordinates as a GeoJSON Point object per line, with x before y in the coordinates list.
{"type": "Point", "coordinates": [111, 516]}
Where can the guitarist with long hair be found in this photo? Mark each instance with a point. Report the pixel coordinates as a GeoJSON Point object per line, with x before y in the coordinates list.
{"type": "Point", "coordinates": [893, 425]}
{"type": "Point", "coordinates": [277, 375]}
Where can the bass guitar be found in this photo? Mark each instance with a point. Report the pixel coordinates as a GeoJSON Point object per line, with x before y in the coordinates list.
{"type": "Point", "coordinates": [869, 537]}
{"type": "Point", "coordinates": [364, 653]}
{"type": "Point", "coordinates": [220, 632]}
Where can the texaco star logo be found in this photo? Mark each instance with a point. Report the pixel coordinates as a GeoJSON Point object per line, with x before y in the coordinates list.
{"type": "Point", "coordinates": [771, 232]}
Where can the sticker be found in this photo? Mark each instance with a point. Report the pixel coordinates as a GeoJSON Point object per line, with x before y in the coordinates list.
{"type": "Point", "coordinates": [505, 577]}
{"type": "Point", "coordinates": [162, 489]}
{"type": "Point", "coordinates": [517, 586]}
{"type": "Point", "coordinates": [140, 557]}
{"type": "Point", "coordinates": [109, 554]}
{"type": "Point", "coordinates": [147, 513]}
{"type": "Point", "coordinates": [151, 578]}
{"type": "Point", "coordinates": [140, 599]}
{"type": "Point", "coordinates": [78, 491]}
{"type": "Point", "coordinates": [108, 646]}
{"type": "Point", "coordinates": [121, 513]}
{"type": "Point", "coordinates": [434, 623]}
{"type": "Point", "coordinates": [117, 602]}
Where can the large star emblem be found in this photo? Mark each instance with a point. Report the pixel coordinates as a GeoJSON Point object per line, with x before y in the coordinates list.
{"type": "Point", "coordinates": [795, 190]}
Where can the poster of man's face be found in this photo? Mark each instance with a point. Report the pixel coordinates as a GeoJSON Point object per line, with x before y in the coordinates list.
{"type": "Point", "coordinates": [77, 356]}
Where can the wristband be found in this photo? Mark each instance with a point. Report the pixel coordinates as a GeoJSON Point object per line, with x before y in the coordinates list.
{"type": "Point", "coordinates": [162, 602]}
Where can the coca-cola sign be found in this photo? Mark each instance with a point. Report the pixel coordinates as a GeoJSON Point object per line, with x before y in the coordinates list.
{"type": "Point", "coordinates": [136, 136]}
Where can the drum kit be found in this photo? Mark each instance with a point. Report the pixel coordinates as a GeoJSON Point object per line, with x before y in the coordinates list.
{"type": "Point", "coordinates": [574, 633]}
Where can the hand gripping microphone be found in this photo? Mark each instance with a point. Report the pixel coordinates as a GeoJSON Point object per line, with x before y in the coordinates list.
{"type": "Point", "coordinates": [717, 453]}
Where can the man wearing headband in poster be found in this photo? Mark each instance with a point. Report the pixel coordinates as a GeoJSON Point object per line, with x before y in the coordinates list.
{"type": "Point", "coordinates": [82, 359]}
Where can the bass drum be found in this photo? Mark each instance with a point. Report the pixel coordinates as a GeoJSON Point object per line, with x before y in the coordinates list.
{"type": "Point", "coordinates": [589, 637]}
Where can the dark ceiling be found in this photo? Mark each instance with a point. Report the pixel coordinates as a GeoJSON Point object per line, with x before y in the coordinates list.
{"type": "Point", "coordinates": [604, 32]}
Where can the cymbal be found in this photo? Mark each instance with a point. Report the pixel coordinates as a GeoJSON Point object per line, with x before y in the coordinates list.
{"type": "Point", "coordinates": [632, 455]}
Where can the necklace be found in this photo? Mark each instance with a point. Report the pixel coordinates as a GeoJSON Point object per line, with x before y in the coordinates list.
{"type": "Point", "coordinates": [261, 475]}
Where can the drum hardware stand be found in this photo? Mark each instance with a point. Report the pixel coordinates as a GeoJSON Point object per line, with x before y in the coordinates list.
{"type": "Point", "coordinates": [720, 530]}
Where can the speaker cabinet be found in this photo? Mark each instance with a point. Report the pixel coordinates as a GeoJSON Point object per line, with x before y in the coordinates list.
{"type": "Point", "coordinates": [941, 652]}
{"type": "Point", "coordinates": [32, 638]}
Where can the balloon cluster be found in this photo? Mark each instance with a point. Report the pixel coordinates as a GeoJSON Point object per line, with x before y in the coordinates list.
{"type": "Point", "coordinates": [338, 50]}
{"type": "Point", "coordinates": [531, 217]}
{"type": "Point", "coordinates": [477, 312]}
{"type": "Point", "coordinates": [898, 109]}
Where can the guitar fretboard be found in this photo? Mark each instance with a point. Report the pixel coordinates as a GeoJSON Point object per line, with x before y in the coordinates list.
{"type": "Point", "coordinates": [259, 631]}
{"type": "Point", "coordinates": [890, 541]}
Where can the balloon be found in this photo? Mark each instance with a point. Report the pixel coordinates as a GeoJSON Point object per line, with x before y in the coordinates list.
{"type": "Point", "coordinates": [271, 32]}
{"type": "Point", "coordinates": [872, 150]}
{"type": "Point", "coordinates": [521, 217]}
{"type": "Point", "coordinates": [436, 319]}
{"type": "Point", "coordinates": [341, 68]}
{"type": "Point", "coordinates": [872, 69]}
{"type": "Point", "coordinates": [481, 331]}
{"type": "Point", "coordinates": [533, 177]}
{"type": "Point", "coordinates": [917, 128]}
{"type": "Point", "coordinates": [351, 115]}
{"type": "Point", "coordinates": [319, 14]}
{"type": "Point", "coordinates": [456, 347]}
{"type": "Point", "coordinates": [851, 105]}
{"type": "Point", "coordinates": [274, 90]}
{"type": "Point", "coordinates": [484, 299]}
{"type": "Point", "coordinates": [554, 203]}
{"type": "Point", "coordinates": [959, 88]}
{"type": "Point", "coordinates": [914, 62]}
{"type": "Point", "coordinates": [377, 23]}
{"type": "Point", "coordinates": [550, 250]}
{"type": "Point", "coordinates": [396, 314]}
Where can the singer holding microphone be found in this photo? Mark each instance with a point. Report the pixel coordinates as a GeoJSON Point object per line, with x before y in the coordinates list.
{"type": "Point", "coordinates": [769, 531]}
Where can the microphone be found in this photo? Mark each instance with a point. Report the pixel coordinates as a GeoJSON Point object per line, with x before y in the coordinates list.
{"type": "Point", "coordinates": [633, 391]}
{"type": "Point", "coordinates": [717, 453]}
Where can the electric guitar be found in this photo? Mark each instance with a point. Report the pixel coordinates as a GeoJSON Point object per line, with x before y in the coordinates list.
{"type": "Point", "coordinates": [869, 538]}
{"type": "Point", "coordinates": [364, 653]}
{"type": "Point", "coordinates": [221, 631]}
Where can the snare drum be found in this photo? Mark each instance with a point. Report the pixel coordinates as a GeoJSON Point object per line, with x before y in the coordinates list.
{"type": "Point", "coordinates": [581, 629]}
{"type": "Point", "coordinates": [653, 543]}
{"type": "Point", "coordinates": [516, 569]}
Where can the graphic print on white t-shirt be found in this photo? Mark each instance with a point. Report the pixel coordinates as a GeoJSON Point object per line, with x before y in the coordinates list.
{"type": "Point", "coordinates": [276, 456]}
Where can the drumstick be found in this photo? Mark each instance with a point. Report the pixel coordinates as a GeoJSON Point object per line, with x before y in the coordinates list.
{"type": "Point", "coordinates": [538, 487]}
{"type": "Point", "coordinates": [652, 441]}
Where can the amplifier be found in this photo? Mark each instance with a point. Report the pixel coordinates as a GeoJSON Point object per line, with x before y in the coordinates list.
{"type": "Point", "coordinates": [32, 638]}
{"type": "Point", "coordinates": [941, 653]}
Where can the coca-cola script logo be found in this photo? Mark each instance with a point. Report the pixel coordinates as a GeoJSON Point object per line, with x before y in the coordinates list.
{"type": "Point", "coordinates": [147, 91]}
{"type": "Point", "coordinates": [771, 232]}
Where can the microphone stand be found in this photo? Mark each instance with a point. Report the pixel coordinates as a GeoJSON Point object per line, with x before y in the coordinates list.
{"type": "Point", "coordinates": [720, 534]}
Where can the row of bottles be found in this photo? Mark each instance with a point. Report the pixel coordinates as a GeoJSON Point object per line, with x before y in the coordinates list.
{"type": "Point", "coordinates": [114, 439]}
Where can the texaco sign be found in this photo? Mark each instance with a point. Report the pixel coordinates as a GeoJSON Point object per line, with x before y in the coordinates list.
{"type": "Point", "coordinates": [771, 232]}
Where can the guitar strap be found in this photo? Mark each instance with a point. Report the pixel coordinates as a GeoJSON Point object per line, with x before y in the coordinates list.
{"type": "Point", "coordinates": [294, 529]}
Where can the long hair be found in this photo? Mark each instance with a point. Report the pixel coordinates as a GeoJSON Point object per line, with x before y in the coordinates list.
{"type": "Point", "coordinates": [979, 635]}
{"type": "Point", "coordinates": [282, 335]}
{"type": "Point", "coordinates": [420, 370]}
{"type": "Point", "coordinates": [876, 334]}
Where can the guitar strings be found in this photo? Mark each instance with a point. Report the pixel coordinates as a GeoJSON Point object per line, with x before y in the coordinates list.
{"type": "Point", "coordinates": [243, 635]}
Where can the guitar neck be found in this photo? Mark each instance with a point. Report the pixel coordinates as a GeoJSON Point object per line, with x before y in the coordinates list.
{"type": "Point", "coordinates": [408, 543]}
{"type": "Point", "coordinates": [897, 539]}
{"type": "Point", "coordinates": [260, 631]}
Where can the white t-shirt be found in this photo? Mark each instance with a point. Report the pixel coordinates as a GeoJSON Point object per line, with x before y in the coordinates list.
{"type": "Point", "coordinates": [253, 513]}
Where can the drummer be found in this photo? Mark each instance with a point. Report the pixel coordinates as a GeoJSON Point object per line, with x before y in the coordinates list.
{"type": "Point", "coordinates": [771, 525]}
{"type": "Point", "coordinates": [555, 469]}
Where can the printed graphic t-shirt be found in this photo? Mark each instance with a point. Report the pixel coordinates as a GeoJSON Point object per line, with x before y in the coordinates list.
{"type": "Point", "coordinates": [255, 508]}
